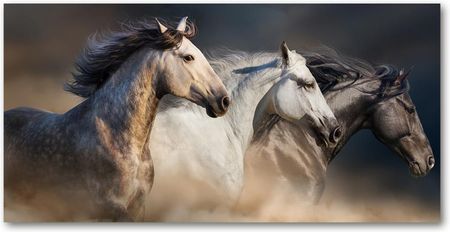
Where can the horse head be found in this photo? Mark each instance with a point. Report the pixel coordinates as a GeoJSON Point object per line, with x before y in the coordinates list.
{"type": "Point", "coordinates": [394, 121]}
{"type": "Point", "coordinates": [297, 98]}
{"type": "Point", "coordinates": [188, 74]}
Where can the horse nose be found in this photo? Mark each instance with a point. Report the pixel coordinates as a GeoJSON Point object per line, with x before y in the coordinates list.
{"type": "Point", "coordinates": [225, 103]}
{"type": "Point", "coordinates": [336, 135]}
{"type": "Point", "coordinates": [430, 162]}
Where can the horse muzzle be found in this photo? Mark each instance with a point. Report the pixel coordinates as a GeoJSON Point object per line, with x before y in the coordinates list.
{"type": "Point", "coordinates": [418, 170]}
{"type": "Point", "coordinates": [218, 107]}
{"type": "Point", "coordinates": [335, 135]}
{"type": "Point", "coordinates": [328, 131]}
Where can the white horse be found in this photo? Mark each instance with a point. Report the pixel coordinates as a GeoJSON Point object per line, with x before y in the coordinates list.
{"type": "Point", "coordinates": [200, 160]}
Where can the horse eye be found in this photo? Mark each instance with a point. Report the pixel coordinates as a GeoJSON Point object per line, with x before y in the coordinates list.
{"type": "Point", "coordinates": [411, 110]}
{"type": "Point", "coordinates": [188, 58]}
{"type": "Point", "coordinates": [309, 85]}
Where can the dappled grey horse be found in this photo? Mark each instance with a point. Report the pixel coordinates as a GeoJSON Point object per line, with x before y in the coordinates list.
{"type": "Point", "coordinates": [95, 158]}
{"type": "Point", "coordinates": [361, 97]}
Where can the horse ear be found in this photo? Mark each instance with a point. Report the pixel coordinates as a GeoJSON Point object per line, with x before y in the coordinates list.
{"type": "Point", "coordinates": [182, 24]}
{"type": "Point", "coordinates": [285, 53]}
{"type": "Point", "coordinates": [161, 27]}
{"type": "Point", "coordinates": [401, 76]}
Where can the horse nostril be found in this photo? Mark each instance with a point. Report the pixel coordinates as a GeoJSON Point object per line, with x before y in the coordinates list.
{"type": "Point", "coordinates": [336, 134]}
{"type": "Point", "coordinates": [431, 162]}
{"type": "Point", "coordinates": [225, 102]}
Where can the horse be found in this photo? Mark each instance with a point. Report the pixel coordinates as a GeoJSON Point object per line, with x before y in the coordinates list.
{"type": "Point", "coordinates": [95, 157]}
{"type": "Point", "coordinates": [285, 158]}
{"type": "Point", "coordinates": [209, 154]}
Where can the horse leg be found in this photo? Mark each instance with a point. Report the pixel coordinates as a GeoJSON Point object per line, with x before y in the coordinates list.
{"type": "Point", "coordinates": [112, 205]}
{"type": "Point", "coordinates": [115, 212]}
{"type": "Point", "coordinates": [129, 208]}
{"type": "Point", "coordinates": [134, 211]}
{"type": "Point", "coordinates": [317, 189]}
{"type": "Point", "coordinates": [136, 207]}
{"type": "Point", "coordinates": [146, 173]}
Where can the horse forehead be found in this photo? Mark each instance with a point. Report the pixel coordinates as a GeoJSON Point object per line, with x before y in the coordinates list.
{"type": "Point", "coordinates": [187, 46]}
{"type": "Point", "coordinates": [298, 57]}
{"type": "Point", "coordinates": [392, 107]}
{"type": "Point", "coordinates": [302, 72]}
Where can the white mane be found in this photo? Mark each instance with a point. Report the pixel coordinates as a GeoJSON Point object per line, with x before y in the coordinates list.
{"type": "Point", "coordinates": [236, 69]}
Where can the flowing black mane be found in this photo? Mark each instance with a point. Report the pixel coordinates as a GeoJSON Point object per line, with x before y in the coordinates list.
{"type": "Point", "coordinates": [330, 68]}
{"type": "Point", "coordinates": [104, 54]}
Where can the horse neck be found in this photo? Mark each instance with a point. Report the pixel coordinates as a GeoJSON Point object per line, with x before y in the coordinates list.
{"type": "Point", "coordinates": [124, 109]}
{"type": "Point", "coordinates": [246, 97]}
{"type": "Point", "coordinates": [351, 107]}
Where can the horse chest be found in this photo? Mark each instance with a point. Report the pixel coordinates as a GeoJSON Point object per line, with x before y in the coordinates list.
{"type": "Point", "coordinates": [225, 170]}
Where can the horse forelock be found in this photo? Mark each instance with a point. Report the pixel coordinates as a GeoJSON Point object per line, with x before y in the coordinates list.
{"type": "Point", "coordinates": [388, 75]}
{"type": "Point", "coordinates": [106, 52]}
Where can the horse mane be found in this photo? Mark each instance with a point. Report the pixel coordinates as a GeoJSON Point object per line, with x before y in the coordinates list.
{"type": "Point", "coordinates": [106, 52]}
{"type": "Point", "coordinates": [236, 67]}
{"type": "Point", "coordinates": [330, 68]}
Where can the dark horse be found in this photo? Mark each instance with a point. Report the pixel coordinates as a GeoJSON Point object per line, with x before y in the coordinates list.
{"type": "Point", "coordinates": [361, 96]}
{"type": "Point", "coordinates": [95, 158]}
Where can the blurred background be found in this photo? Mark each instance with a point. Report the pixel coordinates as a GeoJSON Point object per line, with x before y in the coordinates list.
{"type": "Point", "coordinates": [41, 43]}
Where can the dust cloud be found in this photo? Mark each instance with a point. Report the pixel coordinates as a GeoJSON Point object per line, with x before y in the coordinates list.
{"type": "Point", "coordinates": [280, 205]}
{"type": "Point", "coordinates": [266, 204]}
